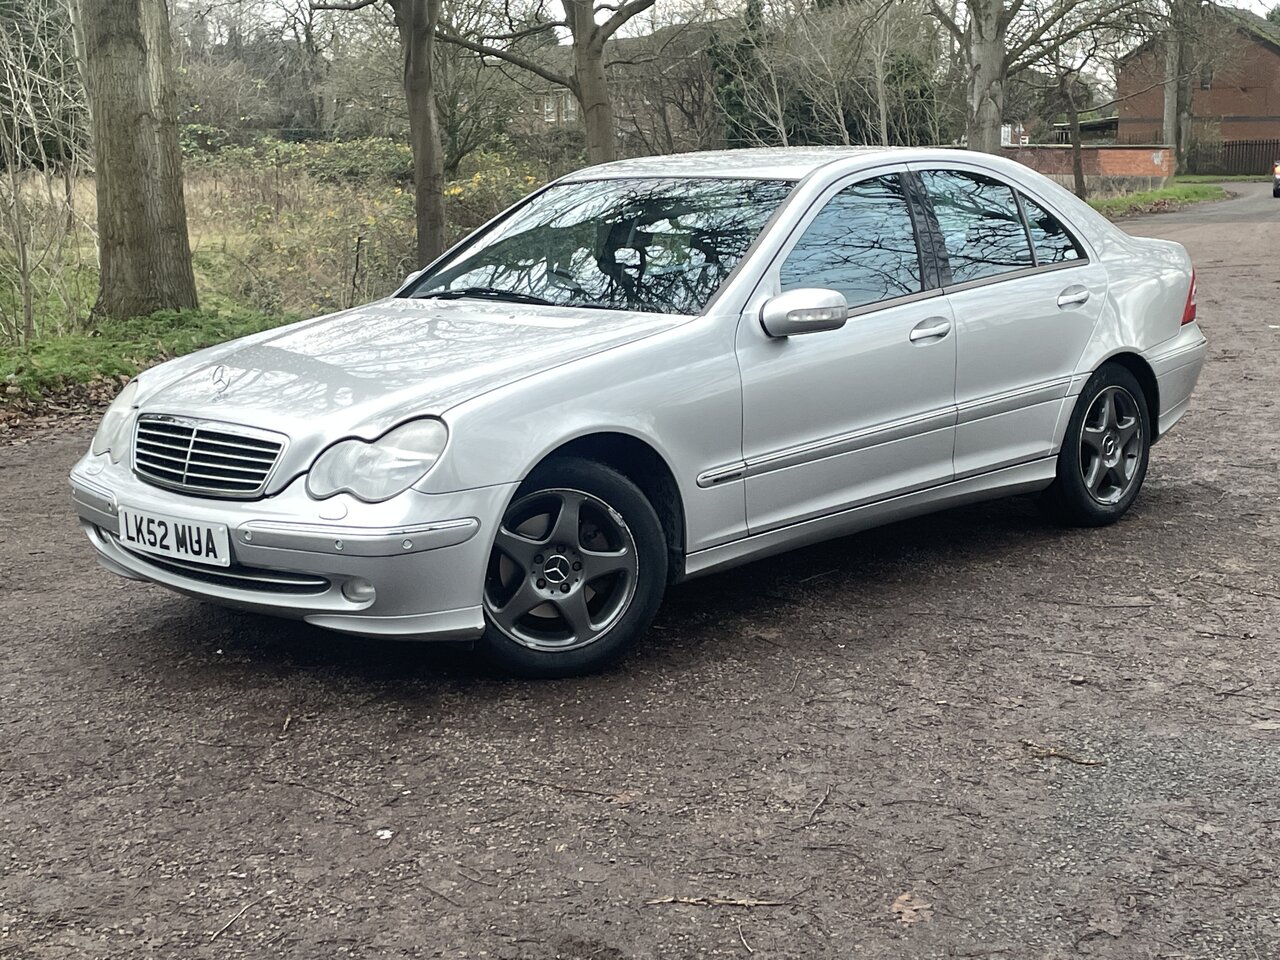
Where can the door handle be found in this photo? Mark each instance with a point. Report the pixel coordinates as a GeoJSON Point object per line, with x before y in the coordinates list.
{"type": "Point", "coordinates": [1073, 296]}
{"type": "Point", "coordinates": [934, 328]}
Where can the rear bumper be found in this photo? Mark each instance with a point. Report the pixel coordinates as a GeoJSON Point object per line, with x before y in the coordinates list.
{"type": "Point", "coordinates": [1177, 365]}
{"type": "Point", "coordinates": [425, 555]}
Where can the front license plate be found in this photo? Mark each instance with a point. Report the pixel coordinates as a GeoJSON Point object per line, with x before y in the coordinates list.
{"type": "Point", "coordinates": [192, 540]}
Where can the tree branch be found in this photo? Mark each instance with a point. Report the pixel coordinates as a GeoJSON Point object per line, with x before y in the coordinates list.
{"type": "Point", "coordinates": [623, 13]}
{"type": "Point", "coordinates": [946, 20]}
{"type": "Point", "coordinates": [353, 5]}
{"type": "Point", "coordinates": [1016, 57]}
{"type": "Point", "coordinates": [514, 59]}
{"type": "Point", "coordinates": [528, 31]}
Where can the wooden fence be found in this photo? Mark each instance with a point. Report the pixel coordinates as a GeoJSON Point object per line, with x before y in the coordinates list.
{"type": "Point", "coordinates": [1233, 157]}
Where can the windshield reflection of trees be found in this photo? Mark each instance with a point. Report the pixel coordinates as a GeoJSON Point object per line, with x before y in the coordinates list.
{"type": "Point", "coordinates": [981, 226]}
{"type": "Point", "coordinates": [662, 246]}
{"type": "Point", "coordinates": [862, 244]}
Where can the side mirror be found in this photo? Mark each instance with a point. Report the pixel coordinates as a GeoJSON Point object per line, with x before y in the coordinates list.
{"type": "Point", "coordinates": [807, 310]}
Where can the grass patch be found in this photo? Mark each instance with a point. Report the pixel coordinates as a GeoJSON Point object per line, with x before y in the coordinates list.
{"type": "Point", "coordinates": [1211, 178]}
{"type": "Point", "coordinates": [119, 348]}
{"type": "Point", "coordinates": [1158, 201]}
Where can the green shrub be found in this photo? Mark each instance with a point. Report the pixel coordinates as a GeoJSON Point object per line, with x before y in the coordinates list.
{"type": "Point", "coordinates": [199, 139]}
{"type": "Point", "coordinates": [119, 348]}
{"type": "Point", "coordinates": [373, 160]}
{"type": "Point", "coordinates": [370, 160]}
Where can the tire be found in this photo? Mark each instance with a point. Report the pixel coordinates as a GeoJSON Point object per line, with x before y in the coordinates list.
{"type": "Point", "coordinates": [576, 574]}
{"type": "Point", "coordinates": [1105, 452]}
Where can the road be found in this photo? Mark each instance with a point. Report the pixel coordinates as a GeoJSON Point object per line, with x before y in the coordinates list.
{"type": "Point", "coordinates": [1057, 743]}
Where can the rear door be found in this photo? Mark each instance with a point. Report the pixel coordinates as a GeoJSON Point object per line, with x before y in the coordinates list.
{"type": "Point", "coordinates": [1026, 299]}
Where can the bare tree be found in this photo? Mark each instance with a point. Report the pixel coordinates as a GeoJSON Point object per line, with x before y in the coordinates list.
{"type": "Point", "coordinates": [1170, 44]}
{"type": "Point", "coordinates": [997, 38]}
{"type": "Point", "coordinates": [664, 87]}
{"type": "Point", "coordinates": [417, 23]}
{"type": "Point", "coordinates": [838, 73]}
{"type": "Point", "coordinates": [475, 101]}
{"type": "Point", "coordinates": [43, 131]}
{"type": "Point", "coordinates": [143, 248]}
{"type": "Point", "coordinates": [1194, 40]}
{"type": "Point", "coordinates": [590, 24]}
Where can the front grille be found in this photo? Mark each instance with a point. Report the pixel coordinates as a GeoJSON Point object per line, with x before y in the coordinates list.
{"type": "Point", "coordinates": [236, 575]}
{"type": "Point", "coordinates": [204, 457]}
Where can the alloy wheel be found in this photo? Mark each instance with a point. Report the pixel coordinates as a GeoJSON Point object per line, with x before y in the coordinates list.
{"type": "Point", "coordinates": [563, 570]}
{"type": "Point", "coordinates": [1111, 445]}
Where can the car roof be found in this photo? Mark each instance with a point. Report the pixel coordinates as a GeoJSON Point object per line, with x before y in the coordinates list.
{"type": "Point", "coordinates": [765, 163]}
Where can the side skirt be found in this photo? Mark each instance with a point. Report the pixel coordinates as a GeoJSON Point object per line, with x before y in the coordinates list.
{"type": "Point", "coordinates": [1008, 482]}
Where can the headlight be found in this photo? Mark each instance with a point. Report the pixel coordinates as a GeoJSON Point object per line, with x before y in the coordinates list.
{"type": "Point", "coordinates": [113, 433]}
{"type": "Point", "coordinates": [381, 469]}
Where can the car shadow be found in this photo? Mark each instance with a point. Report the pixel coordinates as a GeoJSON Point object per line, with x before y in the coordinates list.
{"type": "Point", "coordinates": [699, 620]}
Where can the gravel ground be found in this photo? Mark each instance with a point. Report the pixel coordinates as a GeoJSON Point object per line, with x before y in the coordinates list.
{"type": "Point", "coordinates": [969, 735]}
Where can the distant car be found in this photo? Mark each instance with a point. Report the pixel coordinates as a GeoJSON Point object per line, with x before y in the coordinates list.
{"type": "Point", "coordinates": [1275, 179]}
{"type": "Point", "coordinates": [644, 372]}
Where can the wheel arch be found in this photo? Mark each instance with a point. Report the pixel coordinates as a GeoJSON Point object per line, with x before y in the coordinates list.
{"type": "Point", "coordinates": [639, 462]}
{"type": "Point", "coordinates": [1146, 377]}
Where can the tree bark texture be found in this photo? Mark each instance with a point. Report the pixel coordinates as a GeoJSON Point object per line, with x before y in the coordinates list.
{"type": "Point", "coordinates": [1172, 68]}
{"type": "Point", "coordinates": [1179, 57]}
{"type": "Point", "coordinates": [590, 83]}
{"type": "Point", "coordinates": [1077, 149]}
{"type": "Point", "coordinates": [144, 251]}
{"type": "Point", "coordinates": [986, 56]}
{"type": "Point", "coordinates": [416, 22]}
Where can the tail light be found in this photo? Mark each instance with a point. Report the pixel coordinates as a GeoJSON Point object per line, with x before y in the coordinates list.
{"type": "Point", "coordinates": [1189, 312]}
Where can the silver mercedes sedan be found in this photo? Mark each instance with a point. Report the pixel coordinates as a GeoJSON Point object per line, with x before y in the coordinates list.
{"type": "Point", "coordinates": [641, 373]}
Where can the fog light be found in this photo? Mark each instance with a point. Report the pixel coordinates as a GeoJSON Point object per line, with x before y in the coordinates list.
{"type": "Point", "coordinates": [358, 590]}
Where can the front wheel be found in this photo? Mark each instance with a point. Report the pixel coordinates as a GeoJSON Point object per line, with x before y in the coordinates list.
{"type": "Point", "coordinates": [1104, 454]}
{"type": "Point", "coordinates": [576, 574]}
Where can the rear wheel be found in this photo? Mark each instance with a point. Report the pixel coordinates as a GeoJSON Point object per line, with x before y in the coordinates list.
{"type": "Point", "coordinates": [577, 571]}
{"type": "Point", "coordinates": [1104, 454]}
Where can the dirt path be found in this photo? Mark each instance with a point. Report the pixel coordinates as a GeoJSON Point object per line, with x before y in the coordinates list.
{"type": "Point", "coordinates": [1065, 743]}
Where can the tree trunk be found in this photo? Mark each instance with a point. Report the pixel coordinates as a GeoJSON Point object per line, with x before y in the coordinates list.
{"type": "Point", "coordinates": [986, 55]}
{"type": "Point", "coordinates": [144, 251]}
{"type": "Point", "coordinates": [1169, 124]}
{"type": "Point", "coordinates": [590, 83]}
{"type": "Point", "coordinates": [1180, 33]}
{"type": "Point", "coordinates": [592, 88]}
{"type": "Point", "coordinates": [1182, 146]}
{"type": "Point", "coordinates": [416, 22]}
{"type": "Point", "coordinates": [1077, 151]}
{"type": "Point", "coordinates": [882, 99]}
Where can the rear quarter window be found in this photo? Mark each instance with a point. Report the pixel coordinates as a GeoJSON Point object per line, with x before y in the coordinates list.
{"type": "Point", "coordinates": [1049, 238]}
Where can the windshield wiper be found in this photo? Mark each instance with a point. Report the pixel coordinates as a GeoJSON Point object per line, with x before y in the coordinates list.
{"type": "Point", "coordinates": [484, 293]}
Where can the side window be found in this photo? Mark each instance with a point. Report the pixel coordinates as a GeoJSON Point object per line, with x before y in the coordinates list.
{"type": "Point", "coordinates": [981, 227]}
{"type": "Point", "coordinates": [862, 243]}
{"type": "Point", "coordinates": [1050, 239]}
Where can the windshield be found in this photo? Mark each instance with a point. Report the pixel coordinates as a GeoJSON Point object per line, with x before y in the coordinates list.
{"type": "Point", "coordinates": [657, 245]}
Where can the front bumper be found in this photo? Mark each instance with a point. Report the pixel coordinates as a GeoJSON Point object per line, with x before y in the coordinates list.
{"type": "Point", "coordinates": [424, 554]}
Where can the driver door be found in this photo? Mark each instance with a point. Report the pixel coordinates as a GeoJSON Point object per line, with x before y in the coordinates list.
{"type": "Point", "coordinates": [845, 417]}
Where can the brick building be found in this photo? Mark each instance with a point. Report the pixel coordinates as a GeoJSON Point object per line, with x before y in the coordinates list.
{"type": "Point", "coordinates": [1235, 94]}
